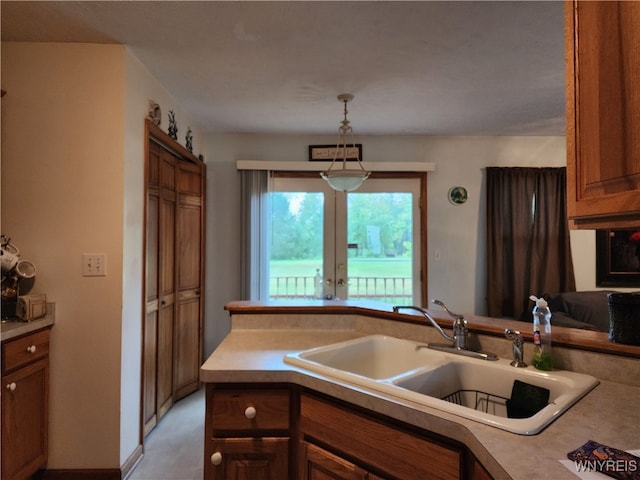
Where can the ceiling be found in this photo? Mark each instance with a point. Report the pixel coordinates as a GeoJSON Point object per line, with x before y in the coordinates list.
{"type": "Point", "coordinates": [415, 68]}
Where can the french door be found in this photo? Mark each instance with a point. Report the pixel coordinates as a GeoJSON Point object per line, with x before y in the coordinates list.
{"type": "Point", "coordinates": [355, 245]}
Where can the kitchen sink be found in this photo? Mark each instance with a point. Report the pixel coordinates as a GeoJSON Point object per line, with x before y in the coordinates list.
{"type": "Point", "coordinates": [373, 357]}
{"type": "Point", "coordinates": [519, 400]}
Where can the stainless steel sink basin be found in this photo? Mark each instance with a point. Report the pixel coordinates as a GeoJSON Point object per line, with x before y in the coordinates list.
{"type": "Point", "coordinates": [463, 386]}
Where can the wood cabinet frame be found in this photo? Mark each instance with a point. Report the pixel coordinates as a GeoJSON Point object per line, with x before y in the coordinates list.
{"type": "Point", "coordinates": [326, 437]}
{"type": "Point", "coordinates": [174, 276]}
{"type": "Point", "coordinates": [603, 105]}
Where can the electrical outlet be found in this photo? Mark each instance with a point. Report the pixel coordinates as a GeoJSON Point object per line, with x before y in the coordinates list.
{"type": "Point", "coordinates": [94, 265]}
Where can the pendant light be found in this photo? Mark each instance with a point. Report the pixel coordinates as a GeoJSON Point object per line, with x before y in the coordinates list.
{"type": "Point", "coordinates": [345, 179]}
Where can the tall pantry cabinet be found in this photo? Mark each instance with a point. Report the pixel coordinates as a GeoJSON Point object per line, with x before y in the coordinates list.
{"type": "Point", "coordinates": [174, 274]}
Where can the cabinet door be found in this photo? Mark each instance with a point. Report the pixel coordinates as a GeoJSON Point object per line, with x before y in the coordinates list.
{"type": "Point", "coordinates": [248, 459]}
{"type": "Point", "coordinates": [318, 464]}
{"type": "Point", "coordinates": [25, 402]}
{"type": "Point", "coordinates": [152, 302]}
{"type": "Point", "coordinates": [603, 112]}
{"type": "Point", "coordinates": [189, 267]}
{"type": "Point", "coordinates": [166, 279]}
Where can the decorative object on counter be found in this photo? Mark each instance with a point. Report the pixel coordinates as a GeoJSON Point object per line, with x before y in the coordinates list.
{"type": "Point", "coordinates": [542, 358]}
{"type": "Point", "coordinates": [155, 113]}
{"type": "Point", "coordinates": [624, 318]}
{"type": "Point", "coordinates": [608, 460]}
{"type": "Point", "coordinates": [31, 307]}
{"type": "Point", "coordinates": [9, 254]}
{"type": "Point", "coordinates": [458, 195]}
{"type": "Point", "coordinates": [188, 139]}
{"type": "Point", "coordinates": [173, 127]}
{"type": "Point", "coordinates": [618, 258]}
{"type": "Point", "coordinates": [18, 277]}
{"type": "Point", "coordinates": [344, 179]}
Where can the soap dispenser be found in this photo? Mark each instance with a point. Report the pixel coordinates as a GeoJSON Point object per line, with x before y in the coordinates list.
{"type": "Point", "coordinates": [542, 359]}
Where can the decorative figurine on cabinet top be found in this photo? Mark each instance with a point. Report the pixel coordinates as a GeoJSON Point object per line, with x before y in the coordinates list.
{"type": "Point", "coordinates": [155, 114]}
{"type": "Point", "coordinates": [173, 127]}
{"type": "Point", "coordinates": [189, 140]}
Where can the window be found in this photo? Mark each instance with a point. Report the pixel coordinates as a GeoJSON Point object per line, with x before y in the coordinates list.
{"type": "Point", "coordinates": [323, 244]}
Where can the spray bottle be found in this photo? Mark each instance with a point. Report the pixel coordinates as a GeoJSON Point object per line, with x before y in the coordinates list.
{"type": "Point", "coordinates": [542, 359]}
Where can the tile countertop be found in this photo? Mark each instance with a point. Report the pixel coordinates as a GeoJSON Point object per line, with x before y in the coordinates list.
{"type": "Point", "coordinates": [15, 328]}
{"type": "Point", "coordinates": [609, 414]}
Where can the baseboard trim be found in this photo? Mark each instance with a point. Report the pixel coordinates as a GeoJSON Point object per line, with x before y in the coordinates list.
{"type": "Point", "coordinates": [132, 461]}
{"type": "Point", "coordinates": [93, 473]}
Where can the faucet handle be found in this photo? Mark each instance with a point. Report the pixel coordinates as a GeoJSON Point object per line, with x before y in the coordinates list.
{"type": "Point", "coordinates": [518, 347]}
{"type": "Point", "coordinates": [514, 335]}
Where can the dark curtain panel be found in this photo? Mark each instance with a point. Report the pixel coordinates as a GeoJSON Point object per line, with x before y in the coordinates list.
{"type": "Point", "coordinates": [528, 249]}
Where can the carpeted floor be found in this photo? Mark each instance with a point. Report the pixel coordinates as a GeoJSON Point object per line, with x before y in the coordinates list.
{"type": "Point", "coordinates": [174, 449]}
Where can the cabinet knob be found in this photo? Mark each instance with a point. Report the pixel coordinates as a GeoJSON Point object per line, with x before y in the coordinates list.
{"type": "Point", "coordinates": [31, 349]}
{"type": "Point", "coordinates": [11, 386]}
{"type": "Point", "coordinates": [250, 412]}
{"type": "Point", "coordinates": [216, 458]}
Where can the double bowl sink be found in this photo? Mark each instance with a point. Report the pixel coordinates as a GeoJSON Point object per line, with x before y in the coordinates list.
{"type": "Point", "coordinates": [485, 391]}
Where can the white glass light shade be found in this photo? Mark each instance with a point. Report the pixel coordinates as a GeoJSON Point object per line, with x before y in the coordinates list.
{"type": "Point", "coordinates": [345, 180]}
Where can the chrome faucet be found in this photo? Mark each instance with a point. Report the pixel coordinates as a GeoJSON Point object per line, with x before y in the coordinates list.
{"type": "Point", "coordinates": [518, 347]}
{"type": "Point", "coordinates": [460, 332]}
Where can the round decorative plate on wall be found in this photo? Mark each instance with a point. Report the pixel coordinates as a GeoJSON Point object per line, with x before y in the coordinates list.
{"type": "Point", "coordinates": [458, 195]}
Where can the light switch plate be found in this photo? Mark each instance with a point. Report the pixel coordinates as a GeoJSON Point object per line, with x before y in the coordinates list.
{"type": "Point", "coordinates": [94, 265]}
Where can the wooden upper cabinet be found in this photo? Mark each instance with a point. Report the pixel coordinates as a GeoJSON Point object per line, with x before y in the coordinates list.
{"type": "Point", "coordinates": [602, 41]}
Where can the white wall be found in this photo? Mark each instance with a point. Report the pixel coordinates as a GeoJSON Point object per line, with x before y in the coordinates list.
{"type": "Point", "coordinates": [73, 182]}
{"type": "Point", "coordinates": [456, 233]}
{"type": "Point", "coordinates": [62, 195]}
{"type": "Point", "coordinates": [140, 87]}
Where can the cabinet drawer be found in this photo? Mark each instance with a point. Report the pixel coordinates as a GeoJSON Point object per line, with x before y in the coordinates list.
{"type": "Point", "coordinates": [249, 410]}
{"type": "Point", "coordinates": [24, 350]}
{"type": "Point", "coordinates": [381, 446]}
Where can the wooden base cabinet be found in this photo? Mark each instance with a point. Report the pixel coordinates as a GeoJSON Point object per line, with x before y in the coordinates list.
{"type": "Point", "coordinates": [378, 447]}
{"type": "Point", "coordinates": [247, 433]}
{"type": "Point", "coordinates": [267, 432]}
{"type": "Point", "coordinates": [317, 463]}
{"type": "Point", "coordinates": [249, 458]}
{"type": "Point", "coordinates": [25, 405]}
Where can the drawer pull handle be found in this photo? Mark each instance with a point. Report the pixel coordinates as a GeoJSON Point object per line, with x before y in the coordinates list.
{"type": "Point", "coordinates": [11, 386]}
{"type": "Point", "coordinates": [216, 458]}
{"type": "Point", "coordinates": [31, 349]}
{"type": "Point", "coordinates": [250, 413]}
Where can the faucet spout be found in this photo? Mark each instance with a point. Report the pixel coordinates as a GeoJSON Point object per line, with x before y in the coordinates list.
{"type": "Point", "coordinates": [424, 312]}
{"type": "Point", "coordinates": [460, 332]}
